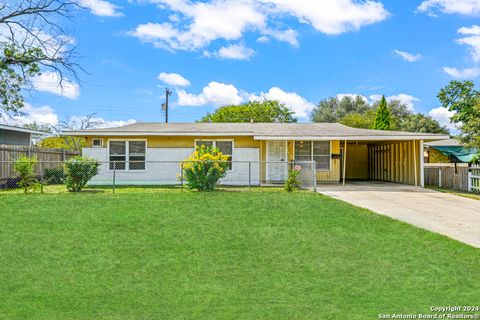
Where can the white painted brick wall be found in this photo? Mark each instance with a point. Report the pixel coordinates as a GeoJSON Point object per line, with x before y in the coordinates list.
{"type": "Point", "coordinates": [168, 172]}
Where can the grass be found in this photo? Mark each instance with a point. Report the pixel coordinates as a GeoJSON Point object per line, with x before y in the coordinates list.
{"type": "Point", "coordinates": [221, 255]}
{"type": "Point", "coordinates": [470, 195]}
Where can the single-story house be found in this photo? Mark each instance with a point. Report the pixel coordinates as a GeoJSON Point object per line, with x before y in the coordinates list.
{"type": "Point", "coordinates": [12, 135]}
{"type": "Point", "coordinates": [152, 152]}
{"type": "Point", "coordinates": [448, 151]}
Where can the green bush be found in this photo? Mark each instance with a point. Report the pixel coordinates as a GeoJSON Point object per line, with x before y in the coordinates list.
{"type": "Point", "coordinates": [78, 171]}
{"type": "Point", "coordinates": [24, 167]}
{"type": "Point", "coordinates": [204, 168]}
{"type": "Point", "coordinates": [54, 176]}
{"type": "Point", "coordinates": [292, 184]}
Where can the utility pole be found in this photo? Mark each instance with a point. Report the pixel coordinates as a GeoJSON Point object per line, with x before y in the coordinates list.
{"type": "Point", "coordinates": [168, 92]}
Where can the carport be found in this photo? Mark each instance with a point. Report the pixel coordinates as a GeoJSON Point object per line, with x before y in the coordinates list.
{"type": "Point", "coordinates": [399, 161]}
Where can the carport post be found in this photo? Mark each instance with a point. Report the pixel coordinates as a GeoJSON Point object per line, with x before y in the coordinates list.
{"type": "Point", "coordinates": [344, 160]}
{"type": "Point", "coordinates": [422, 165]}
{"type": "Point", "coordinates": [415, 162]}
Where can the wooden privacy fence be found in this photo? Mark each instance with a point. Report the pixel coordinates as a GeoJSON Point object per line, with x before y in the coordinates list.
{"type": "Point", "coordinates": [47, 158]}
{"type": "Point", "coordinates": [459, 176]}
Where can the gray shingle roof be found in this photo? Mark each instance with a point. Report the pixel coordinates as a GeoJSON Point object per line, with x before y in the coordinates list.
{"type": "Point", "coordinates": [258, 130]}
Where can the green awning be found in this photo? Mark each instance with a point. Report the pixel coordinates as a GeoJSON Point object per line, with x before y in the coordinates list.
{"type": "Point", "coordinates": [457, 153]}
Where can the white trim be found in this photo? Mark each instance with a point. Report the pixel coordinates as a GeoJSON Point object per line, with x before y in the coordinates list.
{"type": "Point", "coordinates": [330, 165]}
{"type": "Point", "coordinates": [267, 161]}
{"type": "Point", "coordinates": [24, 130]}
{"type": "Point", "coordinates": [422, 165]}
{"type": "Point", "coordinates": [352, 138]}
{"type": "Point", "coordinates": [155, 133]}
{"type": "Point", "coordinates": [127, 155]}
{"type": "Point", "coordinates": [101, 143]}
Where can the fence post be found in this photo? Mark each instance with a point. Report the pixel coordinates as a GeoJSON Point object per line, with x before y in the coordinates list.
{"type": "Point", "coordinates": [314, 176]}
{"type": "Point", "coordinates": [113, 180]}
{"type": "Point", "coordinates": [469, 182]}
{"type": "Point", "coordinates": [181, 176]}
{"type": "Point", "coordinates": [439, 177]}
{"type": "Point", "coordinates": [249, 174]}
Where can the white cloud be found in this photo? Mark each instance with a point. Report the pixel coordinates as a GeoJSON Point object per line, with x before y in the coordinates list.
{"type": "Point", "coordinates": [40, 115]}
{"type": "Point", "coordinates": [463, 7]}
{"type": "Point", "coordinates": [467, 73]}
{"type": "Point", "coordinates": [263, 39]}
{"type": "Point", "coordinates": [215, 94]}
{"type": "Point", "coordinates": [173, 79]}
{"type": "Point", "coordinates": [234, 52]}
{"type": "Point", "coordinates": [442, 115]}
{"type": "Point", "coordinates": [406, 99]}
{"type": "Point", "coordinates": [340, 96]}
{"type": "Point", "coordinates": [407, 56]}
{"type": "Point", "coordinates": [297, 103]}
{"type": "Point", "coordinates": [98, 122]}
{"type": "Point", "coordinates": [197, 24]}
{"type": "Point", "coordinates": [220, 94]}
{"type": "Point", "coordinates": [102, 8]}
{"type": "Point", "coordinates": [50, 82]}
{"type": "Point", "coordinates": [472, 40]}
{"type": "Point", "coordinates": [331, 16]}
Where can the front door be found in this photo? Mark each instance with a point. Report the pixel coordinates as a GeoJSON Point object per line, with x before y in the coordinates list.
{"type": "Point", "coordinates": [276, 161]}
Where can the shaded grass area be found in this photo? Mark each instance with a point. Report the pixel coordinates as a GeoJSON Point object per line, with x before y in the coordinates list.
{"type": "Point", "coordinates": [221, 255]}
{"type": "Point", "coordinates": [470, 195]}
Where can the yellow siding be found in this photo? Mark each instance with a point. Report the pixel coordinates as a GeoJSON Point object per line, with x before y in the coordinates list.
{"type": "Point", "coordinates": [435, 156]}
{"type": "Point", "coordinates": [181, 142]}
{"type": "Point", "coordinates": [397, 162]}
{"type": "Point", "coordinates": [357, 161]}
{"type": "Point", "coordinates": [334, 174]}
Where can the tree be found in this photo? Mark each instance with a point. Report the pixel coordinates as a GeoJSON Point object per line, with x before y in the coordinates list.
{"type": "Point", "coordinates": [358, 113]}
{"type": "Point", "coordinates": [332, 109]}
{"type": "Point", "coordinates": [382, 116]}
{"type": "Point", "coordinates": [258, 111]}
{"type": "Point", "coordinates": [421, 123]}
{"type": "Point", "coordinates": [462, 98]}
{"type": "Point", "coordinates": [359, 120]}
{"type": "Point", "coordinates": [32, 40]}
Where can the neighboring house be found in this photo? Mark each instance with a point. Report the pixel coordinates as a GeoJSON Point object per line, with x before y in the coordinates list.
{"type": "Point", "coordinates": [448, 151]}
{"type": "Point", "coordinates": [370, 154]}
{"type": "Point", "coordinates": [11, 135]}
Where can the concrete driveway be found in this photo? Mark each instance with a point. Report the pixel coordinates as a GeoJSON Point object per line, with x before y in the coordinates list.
{"type": "Point", "coordinates": [453, 216]}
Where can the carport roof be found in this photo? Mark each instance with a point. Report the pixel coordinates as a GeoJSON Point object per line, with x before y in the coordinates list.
{"type": "Point", "coordinates": [260, 131]}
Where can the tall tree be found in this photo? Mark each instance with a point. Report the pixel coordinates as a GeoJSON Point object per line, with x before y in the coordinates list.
{"type": "Point", "coordinates": [462, 98]}
{"type": "Point", "coordinates": [32, 40]}
{"type": "Point", "coordinates": [256, 111]}
{"type": "Point", "coordinates": [333, 109]}
{"type": "Point", "coordinates": [421, 123]}
{"type": "Point", "coordinates": [382, 116]}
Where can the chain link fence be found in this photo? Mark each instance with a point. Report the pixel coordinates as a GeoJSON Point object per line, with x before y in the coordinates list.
{"type": "Point", "coordinates": [168, 174]}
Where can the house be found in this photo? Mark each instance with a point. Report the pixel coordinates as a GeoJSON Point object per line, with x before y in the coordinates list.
{"type": "Point", "coordinates": [448, 151]}
{"type": "Point", "coordinates": [11, 135]}
{"type": "Point", "coordinates": [150, 153]}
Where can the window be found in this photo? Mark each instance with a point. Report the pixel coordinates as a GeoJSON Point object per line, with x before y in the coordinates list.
{"type": "Point", "coordinates": [225, 147]}
{"type": "Point", "coordinates": [318, 151]}
{"type": "Point", "coordinates": [123, 152]}
{"type": "Point", "coordinates": [97, 143]}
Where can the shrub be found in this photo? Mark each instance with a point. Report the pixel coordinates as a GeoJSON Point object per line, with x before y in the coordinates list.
{"type": "Point", "coordinates": [25, 168]}
{"type": "Point", "coordinates": [204, 168]}
{"type": "Point", "coordinates": [292, 184]}
{"type": "Point", "coordinates": [54, 175]}
{"type": "Point", "coordinates": [78, 171]}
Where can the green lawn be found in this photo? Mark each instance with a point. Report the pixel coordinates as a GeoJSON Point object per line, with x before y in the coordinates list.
{"type": "Point", "coordinates": [471, 195]}
{"type": "Point", "coordinates": [221, 255]}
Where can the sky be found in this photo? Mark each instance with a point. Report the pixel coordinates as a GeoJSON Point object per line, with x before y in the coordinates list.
{"type": "Point", "coordinates": [216, 52]}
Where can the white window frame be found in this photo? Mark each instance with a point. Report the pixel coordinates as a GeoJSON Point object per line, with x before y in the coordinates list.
{"type": "Point", "coordinates": [98, 139]}
{"type": "Point", "coordinates": [215, 145]}
{"type": "Point", "coordinates": [311, 153]}
{"type": "Point", "coordinates": [127, 155]}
